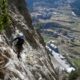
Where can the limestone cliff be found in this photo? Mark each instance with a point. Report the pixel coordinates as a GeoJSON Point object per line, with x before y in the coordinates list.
{"type": "Point", "coordinates": [35, 63]}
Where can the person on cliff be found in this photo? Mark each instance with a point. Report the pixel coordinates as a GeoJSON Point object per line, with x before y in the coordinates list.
{"type": "Point", "coordinates": [19, 43]}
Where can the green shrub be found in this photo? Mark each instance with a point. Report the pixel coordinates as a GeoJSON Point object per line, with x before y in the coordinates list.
{"type": "Point", "coordinates": [4, 16]}
{"type": "Point", "coordinates": [74, 74]}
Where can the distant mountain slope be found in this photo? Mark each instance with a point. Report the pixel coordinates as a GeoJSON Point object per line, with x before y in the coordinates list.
{"type": "Point", "coordinates": [76, 7]}
{"type": "Point", "coordinates": [47, 3]}
{"type": "Point", "coordinates": [75, 4]}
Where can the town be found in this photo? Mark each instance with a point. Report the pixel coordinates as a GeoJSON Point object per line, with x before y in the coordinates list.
{"type": "Point", "coordinates": [61, 61]}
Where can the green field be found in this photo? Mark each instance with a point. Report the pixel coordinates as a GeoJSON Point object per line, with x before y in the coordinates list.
{"type": "Point", "coordinates": [76, 62]}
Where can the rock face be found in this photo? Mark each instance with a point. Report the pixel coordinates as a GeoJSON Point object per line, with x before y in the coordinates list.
{"type": "Point", "coordinates": [35, 62]}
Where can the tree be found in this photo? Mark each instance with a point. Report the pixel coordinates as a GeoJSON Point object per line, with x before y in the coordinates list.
{"type": "Point", "coordinates": [4, 16]}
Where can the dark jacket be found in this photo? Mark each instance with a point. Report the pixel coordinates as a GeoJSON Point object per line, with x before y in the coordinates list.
{"type": "Point", "coordinates": [20, 40]}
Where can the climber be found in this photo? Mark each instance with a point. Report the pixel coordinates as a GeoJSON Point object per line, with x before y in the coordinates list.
{"type": "Point", "coordinates": [19, 43]}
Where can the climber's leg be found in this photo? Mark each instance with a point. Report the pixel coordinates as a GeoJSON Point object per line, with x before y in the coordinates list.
{"type": "Point", "coordinates": [18, 55]}
{"type": "Point", "coordinates": [19, 50]}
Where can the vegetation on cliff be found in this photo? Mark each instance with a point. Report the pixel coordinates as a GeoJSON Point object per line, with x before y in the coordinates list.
{"type": "Point", "coordinates": [4, 15]}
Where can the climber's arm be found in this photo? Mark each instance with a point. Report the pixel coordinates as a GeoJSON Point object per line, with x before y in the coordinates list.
{"type": "Point", "coordinates": [14, 39]}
